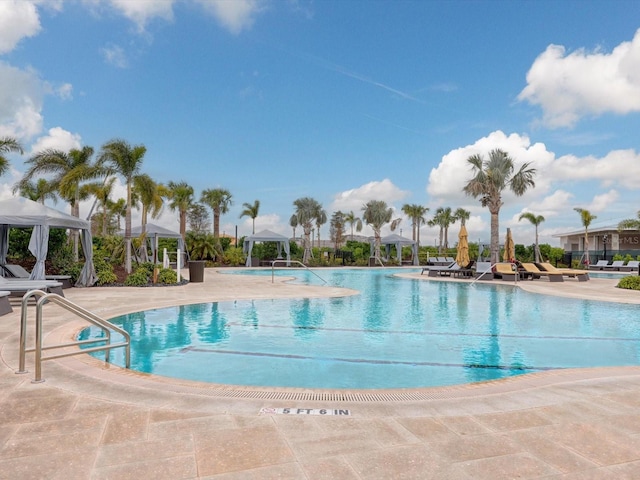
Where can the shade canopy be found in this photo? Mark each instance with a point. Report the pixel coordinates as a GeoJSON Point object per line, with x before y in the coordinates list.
{"type": "Point", "coordinates": [153, 233]}
{"type": "Point", "coordinates": [266, 236]}
{"type": "Point", "coordinates": [462, 255]}
{"type": "Point", "coordinates": [399, 242]}
{"type": "Point", "coordinates": [23, 213]}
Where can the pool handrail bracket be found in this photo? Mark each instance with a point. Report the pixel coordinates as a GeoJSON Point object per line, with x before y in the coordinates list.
{"type": "Point", "coordinates": [288, 262]}
{"type": "Point", "coordinates": [104, 325]}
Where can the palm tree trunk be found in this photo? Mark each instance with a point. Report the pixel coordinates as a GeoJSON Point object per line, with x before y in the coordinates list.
{"type": "Point", "coordinates": [307, 245]}
{"type": "Point", "coordinates": [440, 240]}
{"type": "Point", "coordinates": [536, 252]}
{"type": "Point", "coordinates": [495, 238]}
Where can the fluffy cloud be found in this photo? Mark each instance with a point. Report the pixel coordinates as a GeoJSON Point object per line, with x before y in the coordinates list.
{"type": "Point", "coordinates": [620, 167]}
{"type": "Point", "coordinates": [21, 95]}
{"type": "Point", "coordinates": [18, 19]}
{"type": "Point", "coordinates": [114, 55]}
{"type": "Point", "coordinates": [141, 11]}
{"type": "Point", "coordinates": [235, 16]}
{"type": "Point", "coordinates": [447, 180]}
{"type": "Point", "coordinates": [601, 202]}
{"type": "Point", "coordinates": [58, 139]}
{"type": "Point", "coordinates": [355, 198]}
{"type": "Point", "coordinates": [570, 86]}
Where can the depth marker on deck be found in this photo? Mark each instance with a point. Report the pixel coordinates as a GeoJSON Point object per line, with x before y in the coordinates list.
{"type": "Point", "coordinates": [305, 411]}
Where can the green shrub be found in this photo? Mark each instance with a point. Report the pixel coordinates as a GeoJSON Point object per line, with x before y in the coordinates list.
{"type": "Point", "coordinates": [234, 256]}
{"type": "Point", "coordinates": [167, 276]}
{"type": "Point", "coordinates": [106, 276]}
{"type": "Point", "coordinates": [631, 282]}
{"type": "Point", "coordinates": [138, 278]}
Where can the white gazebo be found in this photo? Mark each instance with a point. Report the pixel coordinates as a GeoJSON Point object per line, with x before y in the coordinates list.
{"type": "Point", "coordinates": [23, 213]}
{"type": "Point", "coordinates": [266, 236]}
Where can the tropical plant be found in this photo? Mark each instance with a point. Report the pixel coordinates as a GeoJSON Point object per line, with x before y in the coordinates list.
{"type": "Point", "coordinates": [8, 144]}
{"type": "Point", "coordinates": [102, 191]}
{"type": "Point", "coordinates": [38, 191]}
{"type": "Point", "coordinates": [198, 218]}
{"type": "Point", "coordinates": [630, 223]}
{"type": "Point", "coordinates": [631, 282]}
{"type": "Point", "coordinates": [69, 170]}
{"type": "Point", "coordinates": [443, 218]}
{"type": "Point", "coordinates": [180, 198]}
{"type": "Point", "coordinates": [167, 276]}
{"type": "Point", "coordinates": [536, 220]}
{"type": "Point", "coordinates": [320, 220]}
{"type": "Point", "coordinates": [307, 212]}
{"type": "Point", "coordinates": [377, 214]}
{"type": "Point", "coordinates": [352, 220]}
{"type": "Point", "coordinates": [252, 212]}
{"type": "Point", "coordinates": [462, 215]}
{"type": "Point", "coordinates": [336, 228]}
{"type": "Point", "coordinates": [293, 223]}
{"type": "Point", "coordinates": [416, 214]}
{"type": "Point", "coordinates": [201, 246]}
{"type": "Point", "coordinates": [586, 217]}
{"type": "Point", "coordinates": [490, 178]}
{"type": "Point", "coordinates": [125, 160]}
{"type": "Point", "coordinates": [150, 195]}
{"type": "Point", "coordinates": [219, 200]}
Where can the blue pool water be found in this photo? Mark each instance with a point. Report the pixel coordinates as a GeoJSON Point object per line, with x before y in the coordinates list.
{"type": "Point", "coordinates": [395, 333]}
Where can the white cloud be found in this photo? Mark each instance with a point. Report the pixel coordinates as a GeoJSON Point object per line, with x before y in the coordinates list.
{"type": "Point", "coordinates": [65, 91]}
{"type": "Point", "coordinates": [570, 86]}
{"type": "Point", "coordinates": [114, 55]}
{"type": "Point", "coordinates": [447, 180]}
{"type": "Point", "coordinates": [58, 139]}
{"type": "Point", "coordinates": [142, 11]}
{"type": "Point", "coordinates": [600, 203]}
{"type": "Point", "coordinates": [236, 15]}
{"type": "Point", "coordinates": [549, 206]}
{"type": "Point", "coordinates": [619, 167]}
{"type": "Point", "coordinates": [21, 96]}
{"type": "Point", "coordinates": [18, 19]}
{"type": "Point", "coordinates": [355, 199]}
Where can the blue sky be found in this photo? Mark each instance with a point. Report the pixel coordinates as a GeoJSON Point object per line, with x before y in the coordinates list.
{"type": "Point", "coordinates": [343, 101]}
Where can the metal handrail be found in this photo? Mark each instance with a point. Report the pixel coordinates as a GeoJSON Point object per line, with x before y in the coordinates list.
{"type": "Point", "coordinates": [104, 325]}
{"type": "Point", "coordinates": [289, 262]}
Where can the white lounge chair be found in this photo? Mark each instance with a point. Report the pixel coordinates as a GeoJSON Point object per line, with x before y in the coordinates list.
{"type": "Point", "coordinates": [631, 266]}
{"type": "Point", "coordinates": [615, 265]}
{"type": "Point", "coordinates": [18, 271]}
{"type": "Point", "coordinates": [600, 265]}
{"type": "Point", "coordinates": [20, 287]}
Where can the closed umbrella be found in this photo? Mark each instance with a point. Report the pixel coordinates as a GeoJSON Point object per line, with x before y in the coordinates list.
{"type": "Point", "coordinates": [509, 248]}
{"type": "Point", "coordinates": [462, 256]}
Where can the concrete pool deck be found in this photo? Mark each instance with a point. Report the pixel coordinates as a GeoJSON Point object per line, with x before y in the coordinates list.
{"type": "Point", "coordinates": [89, 421]}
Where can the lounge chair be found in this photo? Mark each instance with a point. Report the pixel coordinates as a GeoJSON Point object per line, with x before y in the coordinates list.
{"type": "Point", "coordinates": [535, 272]}
{"type": "Point", "coordinates": [20, 287]}
{"type": "Point", "coordinates": [435, 268]}
{"type": "Point", "coordinates": [615, 265]}
{"type": "Point", "coordinates": [483, 271]}
{"type": "Point", "coordinates": [18, 271]}
{"type": "Point", "coordinates": [505, 271]}
{"type": "Point", "coordinates": [449, 259]}
{"type": "Point", "coordinates": [5, 306]}
{"type": "Point", "coordinates": [630, 266]}
{"type": "Point", "coordinates": [580, 275]}
{"type": "Point", "coordinates": [600, 265]}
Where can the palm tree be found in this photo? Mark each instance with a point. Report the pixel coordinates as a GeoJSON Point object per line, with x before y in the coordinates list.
{"type": "Point", "coordinates": [151, 197]}
{"type": "Point", "coordinates": [307, 212]}
{"type": "Point", "coordinates": [180, 198]}
{"type": "Point", "coordinates": [376, 215]}
{"type": "Point", "coordinates": [490, 178]}
{"type": "Point", "coordinates": [38, 192]}
{"type": "Point", "coordinates": [462, 215]}
{"type": "Point", "coordinates": [586, 217]}
{"type": "Point", "coordinates": [630, 223]}
{"type": "Point", "coordinates": [8, 144]}
{"type": "Point", "coordinates": [443, 218]}
{"type": "Point", "coordinates": [352, 220]}
{"type": "Point", "coordinates": [69, 170]}
{"type": "Point", "coordinates": [126, 161]}
{"type": "Point", "coordinates": [252, 212]}
{"type": "Point", "coordinates": [417, 215]}
{"type": "Point", "coordinates": [293, 223]}
{"type": "Point", "coordinates": [219, 200]}
{"type": "Point", "coordinates": [536, 220]}
{"type": "Point", "coordinates": [320, 220]}
{"type": "Point", "coordinates": [102, 191]}
{"type": "Point", "coordinates": [336, 228]}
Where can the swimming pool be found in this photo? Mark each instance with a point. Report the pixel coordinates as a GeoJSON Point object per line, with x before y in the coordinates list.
{"type": "Point", "coordinates": [396, 333]}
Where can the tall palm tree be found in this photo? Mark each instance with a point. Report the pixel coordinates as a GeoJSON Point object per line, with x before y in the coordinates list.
{"type": "Point", "coordinates": [352, 220]}
{"type": "Point", "coordinates": [443, 218]}
{"type": "Point", "coordinates": [252, 212]}
{"type": "Point", "coordinates": [490, 178]}
{"type": "Point", "coordinates": [377, 214]}
{"type": "Point", "coordinates": [126, 161]}
{"type": "Point", "coordinates": [8, 144]}
{"type": "Point", "coordinates": [219, 200]}
{"type": "Point", "coordinates": [336, 229]}
{"type": "Point", "coordinates": [180, 198]}
{"type": "Point", "coordinates": [586, 217]}
{"type": "Point", "coordinates": [416, 214]}
{"type": "Point", "coordinates": [69, 170]}
{"type": "Point", "coordinates": [293, 223]}
{"type": "Point", "coordinates": [462, 215]}
{"type": "Point", "coordinates": [151, 197]}
{"type": "Point", "coordinates": [535, 220]}
{"type": "Point", "coordinates": [320, 220]}
{"type": "Point", "coordinates": [39, 191]}
{"type": "Point", "coordinates": [630, 223]}
{"type": "Point", "coordinates": [102, 191]}
{"type": "Point", "coordinates": [307, 212]}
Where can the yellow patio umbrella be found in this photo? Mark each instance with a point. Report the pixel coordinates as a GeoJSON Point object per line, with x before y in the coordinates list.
{"type": "Point", "coordinates": [509, 254]}
{"type": "Point", "coordinates": [462, 256]}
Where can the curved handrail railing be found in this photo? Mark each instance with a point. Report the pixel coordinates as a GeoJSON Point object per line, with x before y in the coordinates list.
{"type": "Point", "coordinates": [104, 325]}
{"type": "Point", "coordinates": [289, 262]}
